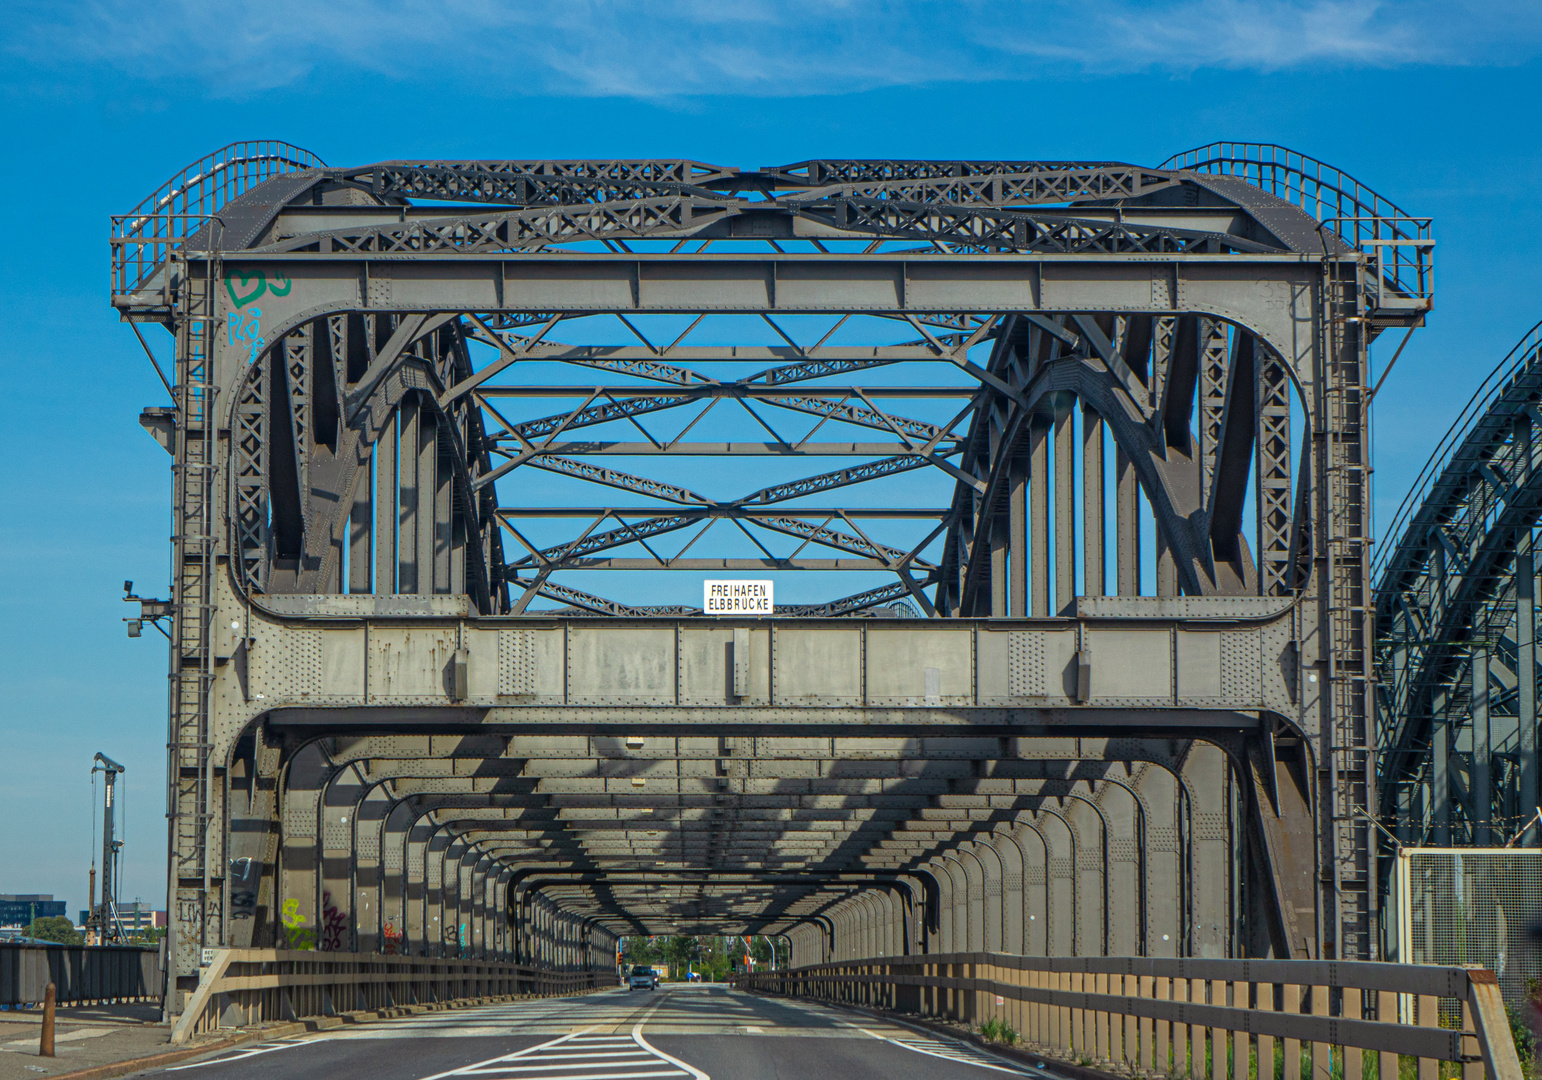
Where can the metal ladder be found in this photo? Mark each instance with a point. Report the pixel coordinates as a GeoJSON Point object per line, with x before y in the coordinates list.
{"type": "Point", "coordinates": [189, 776]}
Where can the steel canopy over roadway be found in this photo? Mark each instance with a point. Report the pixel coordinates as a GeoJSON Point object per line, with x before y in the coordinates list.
{"type": "Point", "coordinates": [1101, 427]}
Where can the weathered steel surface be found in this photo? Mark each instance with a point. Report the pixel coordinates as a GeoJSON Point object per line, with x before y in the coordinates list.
{"type": "Point", "coordinates": [1132, 720]}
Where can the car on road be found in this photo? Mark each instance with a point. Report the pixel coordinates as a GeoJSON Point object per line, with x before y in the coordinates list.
{"type": "Point", "coordinates": [643, 978]}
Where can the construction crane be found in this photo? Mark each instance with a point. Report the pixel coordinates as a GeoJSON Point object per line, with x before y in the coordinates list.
{"type": "Point", "coordinates": [104, 925]}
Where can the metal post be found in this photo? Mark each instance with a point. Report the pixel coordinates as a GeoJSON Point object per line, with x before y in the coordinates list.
{"type": "Point", "coordinates": [1440, 777]}
{"type": "Point", "coordinates": [1482, 753]}
{"type": "Point", "coordinates": [1526, 705]}
{"type": "Point", "coordinates": [46, 1044]}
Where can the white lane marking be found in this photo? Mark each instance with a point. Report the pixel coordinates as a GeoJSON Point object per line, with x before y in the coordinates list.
{"type": "Point", "coordinates": [618, 1076]}
{"type": "Point", "coordinates": [637, 1036]}
{"type": "Point", "coordinates": [510, 1057]}
{"type": "Point", "coordinates": [546, 1067]}
{"type": "Point", "coordinates": [245, 1052]}
{"type": "Point", "coordinates": [580, 1055]}
{"type": "Point", "coordinates": [949, 1050]}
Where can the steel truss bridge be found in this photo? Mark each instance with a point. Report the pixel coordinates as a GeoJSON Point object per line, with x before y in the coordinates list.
{"type": "Point", "coordinates": [1456, 625]}
{"type": "Point", "coordinates": [1082, 446]}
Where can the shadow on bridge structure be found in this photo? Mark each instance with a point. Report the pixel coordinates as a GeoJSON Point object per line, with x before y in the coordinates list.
{"type": "Point", "coordinates": [1060, 469]}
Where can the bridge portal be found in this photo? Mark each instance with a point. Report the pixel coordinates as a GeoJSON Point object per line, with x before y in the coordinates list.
{"type": "Point", "coordinates": [1082, 447]}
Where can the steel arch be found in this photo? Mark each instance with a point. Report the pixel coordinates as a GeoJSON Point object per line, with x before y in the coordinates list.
{"type": "Point", "coordinates": [1456, 615]}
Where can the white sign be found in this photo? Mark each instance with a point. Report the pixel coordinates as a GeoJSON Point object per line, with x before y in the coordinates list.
{"type": "Point", "coordinates": [736, 597]}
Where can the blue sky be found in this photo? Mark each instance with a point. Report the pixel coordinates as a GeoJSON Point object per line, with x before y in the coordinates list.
{"type": "Point", "coordinates": [1432, 104]}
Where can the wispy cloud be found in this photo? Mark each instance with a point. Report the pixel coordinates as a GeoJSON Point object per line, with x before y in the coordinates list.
{"type": "Point", "coordinates": [684, 48]}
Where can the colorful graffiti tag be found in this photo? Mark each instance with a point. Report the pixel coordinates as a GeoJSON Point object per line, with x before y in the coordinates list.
{"type": "Point", "coordinates": [334, 925]}
{"type": "Point", "coordinates": [332, 936]}
{"type": "Point", "coordinates": [246, 286]}
{"type": "Point", "coordinates": [295, 934]}
{"type": "Point", "coordinates": [245, 327]}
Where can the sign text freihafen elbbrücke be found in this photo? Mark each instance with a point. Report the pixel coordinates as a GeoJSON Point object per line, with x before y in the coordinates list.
{"type": "Point", "coordinates": [737, 597]}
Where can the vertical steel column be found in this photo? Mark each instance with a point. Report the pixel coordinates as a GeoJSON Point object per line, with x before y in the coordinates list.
{"type": "Point", "coordinates": [1526, 660]}
{"type": "Point", "coordinates": [427, 505]}
{"type": "Point", "coordinates": [1126, 524]}
{"type": "Point", "coordinates": [1013, 912]}
{"type": "Point", "coordinates": [409, 497]}
{"type": "Point", "coordinates": [1000, 541]}
{"type": "Point", "coordinates": [1440, 774]}
{"type": "Point", "coordinates": [385, 510]}
{"type": "Point", "coordinates": [1482, 752]}
{"type": "Point", "coordinates": [1214, 357]}
{"type": "Point", "coordinates": [1124, 845]}
{"type": "Point", "coordinates": [1038, 518]}
{"type": "Point", "coordinates": [444, 515]}
{"type": "Point", "coordinates": [1271, 474]}
{"type": "Point", "coordinates": [1065, 507]}
{"type": "Point", "coordinates": [1206, 776]}
{"type": "Point", "coordinates": [1092, 503]}
{"type": "Point", "coordinates": [1017, 513]}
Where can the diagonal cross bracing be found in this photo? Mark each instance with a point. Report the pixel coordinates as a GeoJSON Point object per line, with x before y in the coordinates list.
{"type": "Point", "coordinates": [972, 737]}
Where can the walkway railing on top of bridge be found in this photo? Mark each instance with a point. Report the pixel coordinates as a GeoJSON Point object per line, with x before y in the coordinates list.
{"type": "Point", "coordinates": [179, 208]}
{"type": "Point", "coordinates": [1167, 1017]}
{"type": "Point", "coordinates": [1399, 242]}
{"type": "Point", "coordinates": [1526, 353]}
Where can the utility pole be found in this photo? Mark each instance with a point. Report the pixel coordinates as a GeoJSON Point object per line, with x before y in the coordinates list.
{"type": "Point", "coordinates": [104, 923]}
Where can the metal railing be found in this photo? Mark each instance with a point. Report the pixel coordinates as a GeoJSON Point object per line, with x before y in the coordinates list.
{"type": "Point", "coordinates": [143, 237]}
{"type": "Point", "coordinates": [81, 974]}
{"type": "Point", "coordinates": [240, 987]}
{"type": "Point", "coordinates": [1399, 243]}
{"type": "Point", "coordinates": [1527, 352]}
{"type": "Point", "coordinates": [141, 245]}
{"type": "Point", "coordinates": [1194, 1018]}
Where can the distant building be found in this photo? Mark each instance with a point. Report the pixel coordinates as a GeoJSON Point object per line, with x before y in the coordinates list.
{"type": "Point", "coordinates": [21, 908]}
{"type": "Point", "coordinates": [137, 919]}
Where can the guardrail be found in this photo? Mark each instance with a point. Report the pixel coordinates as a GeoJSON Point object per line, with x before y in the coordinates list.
{"type": "Point", "coordinates": [253, 986]}
{"type": "Point", "coordinates": [81, 974]}
{"type": "Point", "coordinates": [1194, 1018]}
{"type": "Point", "coordinates": [160, 223]}
{"type": "Point", "coordinates": [1399, 243]}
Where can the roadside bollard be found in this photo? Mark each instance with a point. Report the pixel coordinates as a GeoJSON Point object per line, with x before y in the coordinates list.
{"type": "Point", "coordinates": [46, 1047]}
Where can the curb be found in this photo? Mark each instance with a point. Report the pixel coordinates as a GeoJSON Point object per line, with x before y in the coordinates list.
{"type": "Point", "coordinates": [279, 1031]}
{"type": "Point", "coordinates": [155, 1061]}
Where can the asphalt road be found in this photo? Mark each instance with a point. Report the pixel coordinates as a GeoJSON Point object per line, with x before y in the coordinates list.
{"type": "Point", "coordinates": [678, 1032]}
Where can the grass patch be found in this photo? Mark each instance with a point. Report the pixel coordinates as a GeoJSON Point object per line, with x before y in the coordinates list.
{"type": "Point", "coordinates": [998, 1031]}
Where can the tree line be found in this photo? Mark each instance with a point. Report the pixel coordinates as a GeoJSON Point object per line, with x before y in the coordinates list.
{"type": "Point", "coordinates": [715, 959]}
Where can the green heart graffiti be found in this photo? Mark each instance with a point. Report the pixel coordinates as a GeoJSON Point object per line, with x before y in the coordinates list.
{"type": "Point", "coordinates": [238, 280]}
{"type": "Point", "coordinates": [242, 299]}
